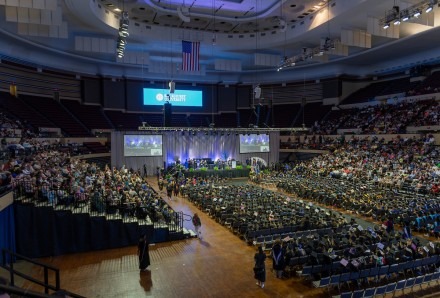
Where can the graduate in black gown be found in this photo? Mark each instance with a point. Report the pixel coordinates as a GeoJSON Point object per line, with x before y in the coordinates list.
{"type": "Point", "coordinates": [143, 253]}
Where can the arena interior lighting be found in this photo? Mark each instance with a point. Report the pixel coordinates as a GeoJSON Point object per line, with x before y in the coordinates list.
{"type": "Point", "coordinates": [395, 15]}
{"type": "Point", "coordinates": [122, 34]}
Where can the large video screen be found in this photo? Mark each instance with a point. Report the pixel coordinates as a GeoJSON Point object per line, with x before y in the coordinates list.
{"type": "Point", "coordinates": [142, 145]}
{"type": "Point", "coordinates": [180, 98]}
{"type": "Point", "coordinates": [254, 143]}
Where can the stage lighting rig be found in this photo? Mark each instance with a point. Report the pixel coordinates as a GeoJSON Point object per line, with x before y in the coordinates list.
{"type": "Point", "coordinates": [122, 34]}
{"type": "Point", "coordinates": [396, 16]}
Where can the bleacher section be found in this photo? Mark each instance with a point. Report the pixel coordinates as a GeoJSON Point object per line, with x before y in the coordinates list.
{"type": "Point", "coordinates": [312, 112]}
{"type": "Point", "coordinates": [21, 110]}
{"type": "Point", "coordinates": [396, 86]}
{"type": "Point", "coordinates": [91, 116]}
{"type": "Point", "coordinates": [96, 147]}
{"type": "Point", "coordinates": [430, 84]}
{"type": "Point", "coordinates": [58, 115]}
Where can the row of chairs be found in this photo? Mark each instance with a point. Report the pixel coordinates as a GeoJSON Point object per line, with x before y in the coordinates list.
{"type": "Point", "coordinates": [412, 283]}
{"type": "Point", "coordinates": [265, 239]}
{"type": "Point", "coordinates": [375, 272]}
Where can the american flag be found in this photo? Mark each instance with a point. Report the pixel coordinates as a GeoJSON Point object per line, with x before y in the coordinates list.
{"type": "Point", "coordinates": [190, 55]}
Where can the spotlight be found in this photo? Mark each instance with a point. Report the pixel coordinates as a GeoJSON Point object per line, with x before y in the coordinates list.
{"type": "Point", "coordinates": [417, 13]}
{"type": "Point", "coordinates": [429, 8]}
{"type": "Point", "coordinates": [405, 15]}
{"type": "Point", "coordinates": [397, 22]}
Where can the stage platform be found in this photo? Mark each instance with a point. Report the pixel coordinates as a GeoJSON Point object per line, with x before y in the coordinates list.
{"type": "Point", "coordinates": [232, 173]}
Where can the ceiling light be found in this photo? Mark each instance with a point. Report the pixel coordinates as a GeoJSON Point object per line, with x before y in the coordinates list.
{"type": "Point", "coordinates": [405, 15]}
{"type": "Point", "coordinates": [417, 13]}
{"type": "Point", "coordinates": [397, 22]}
{"type": "Point", "coordinates": [428, 9]}
{"type": "Point", "coordinates": [117, 9]}
{"type": "Point", "coordinates": [386, 26]}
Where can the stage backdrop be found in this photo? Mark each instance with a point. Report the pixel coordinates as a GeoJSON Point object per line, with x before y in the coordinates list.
{"type": "Point", "coordinates": [186, 146]}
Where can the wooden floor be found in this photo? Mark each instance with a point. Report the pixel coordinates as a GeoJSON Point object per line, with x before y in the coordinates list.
{"type": "Point", "coordinates": [220, 265]}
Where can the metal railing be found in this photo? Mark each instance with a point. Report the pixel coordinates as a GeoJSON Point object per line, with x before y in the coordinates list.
{"type": "Point", "coordinates": [10, 255]}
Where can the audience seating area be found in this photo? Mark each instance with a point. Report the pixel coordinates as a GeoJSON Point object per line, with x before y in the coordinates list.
{"type": "Point", "coordinates": [21, 110]}
{"type": "Point", "coordinates": [57, 114]}
{"type": "Point", "coordinates": [90, 115]}
{"type": "Point", "coordinates": [312, 112]}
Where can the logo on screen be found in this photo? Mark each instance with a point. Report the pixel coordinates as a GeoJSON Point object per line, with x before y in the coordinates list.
{"type": "Point", "coordinates": [189, 98]}
{"type": "Point", "coordinates": [159, 97]}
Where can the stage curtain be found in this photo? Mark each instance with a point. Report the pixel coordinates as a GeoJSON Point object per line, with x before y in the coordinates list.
{"type": "Point", "coordinates": [7, 230]}
{"type": "Point", "coordinates": [178, 146]}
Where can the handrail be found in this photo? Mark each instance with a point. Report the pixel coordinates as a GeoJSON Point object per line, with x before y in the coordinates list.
{"type": "Point", "coordinates": [46, 268]}
{"type": "Point", "coordinates": [186, 215]}
{"type": "Point", "coordinates": [22, 293]}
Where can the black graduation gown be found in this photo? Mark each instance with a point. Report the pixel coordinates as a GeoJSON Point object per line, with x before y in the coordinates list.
{"type": "Point", "coordinates": [260, 274]}
{"type": "Point", "coordinates": [144, 255]}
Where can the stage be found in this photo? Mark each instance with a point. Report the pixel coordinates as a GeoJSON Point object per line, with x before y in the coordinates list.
{"type": "Point", "coordinates": [232, 173]}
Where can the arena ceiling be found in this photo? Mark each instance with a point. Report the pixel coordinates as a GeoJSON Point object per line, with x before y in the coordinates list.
{"type": "Point", "coordinates": [240, 39]}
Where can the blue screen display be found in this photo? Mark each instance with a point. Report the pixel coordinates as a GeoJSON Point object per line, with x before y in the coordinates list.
{"type": "Point", "coordinates": [180, 98]}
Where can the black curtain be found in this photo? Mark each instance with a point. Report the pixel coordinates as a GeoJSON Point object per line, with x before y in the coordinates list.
{"type": "Point", "coordinates": [42, 232]}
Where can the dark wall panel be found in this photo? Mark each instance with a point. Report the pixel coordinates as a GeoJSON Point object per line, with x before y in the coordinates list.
{"type": "Point", "coordinates": [331, 89]}
{"type": "Point", "coordinates": [113, 94]}
{"type": "Point", "coordinates": [244, 98]}
{"type": "Point", "coordinates": [91, 91]}
{"type": "Point", "coordinates": [227, 101]}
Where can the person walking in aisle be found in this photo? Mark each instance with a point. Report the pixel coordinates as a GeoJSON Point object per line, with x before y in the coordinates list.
{"type": "Point", "coordinates": [260, 267]}
{"type": "Point", "coordinates": [143, 253]}
{"type": "Point", "coordinates": [197, 225]}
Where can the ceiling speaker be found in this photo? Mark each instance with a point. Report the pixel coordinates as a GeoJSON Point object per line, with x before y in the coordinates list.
{"type": "Point", "coordinates": [172, 86]}
{"type": "Point", "coordinates": [257, 92]}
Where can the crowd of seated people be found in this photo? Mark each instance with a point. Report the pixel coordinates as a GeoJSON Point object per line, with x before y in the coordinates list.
{"type": "Point", "coordinates": [315, 238]}
{"type": "Point", "coordinates": [8, 127]}
{"type": "Point", "coordinates": [379, 119]}
{"type": "Point", "coordinates": [251, 210]}
{"type": "Point", "coordinates": [53, 177]}
{"type": "Point", "coordinates": [402, 160]}
{"type": "Point", "coordinates": [430, 116]}
{"type": "Point", "coordinates": [373, 178]}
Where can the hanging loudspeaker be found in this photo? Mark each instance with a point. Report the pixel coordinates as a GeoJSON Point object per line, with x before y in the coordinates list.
{"type": "Point", "coordinates": [172, 86]}
{"type": "Point", "coordinates": [257, 92]}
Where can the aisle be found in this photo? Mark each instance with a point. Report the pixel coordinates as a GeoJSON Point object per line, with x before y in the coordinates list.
{"type": "Point", "coordinates": [219, 265]}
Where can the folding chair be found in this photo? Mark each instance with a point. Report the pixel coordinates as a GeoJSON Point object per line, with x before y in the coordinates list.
{"type": "Point", "coordinates": [380, 290]}
{"type": "Point", "coordinates": [400, 286]}
{"type": "Point", "coordinates": [323, 282]}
